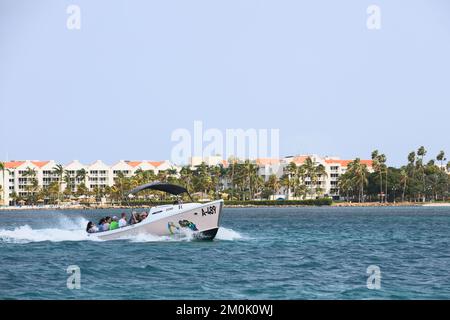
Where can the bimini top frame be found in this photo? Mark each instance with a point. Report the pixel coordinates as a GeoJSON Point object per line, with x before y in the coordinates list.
{"type": "Point", "coordinates": [162, 186]}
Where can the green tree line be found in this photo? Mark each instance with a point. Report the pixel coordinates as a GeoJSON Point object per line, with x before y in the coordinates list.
{"type": "Point", "coordinates": [417, 180]}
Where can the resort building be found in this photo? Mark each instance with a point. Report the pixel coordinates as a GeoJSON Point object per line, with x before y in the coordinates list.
{"type": "Point", "coordinates": [27, 176]}
{"type": "Point", "coordinates": [334, 168]}
{"type": "Point", "coordinates": [209, 161]}
{"type": "Point", "coordinates": [23, 178]}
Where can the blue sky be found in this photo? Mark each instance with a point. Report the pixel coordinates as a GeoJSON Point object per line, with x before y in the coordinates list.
{"type": "Point", "coordinates": [137, 70]}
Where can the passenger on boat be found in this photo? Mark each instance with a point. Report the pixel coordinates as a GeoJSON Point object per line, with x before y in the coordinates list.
{"type": "Point", "coordinates": [114, 223]}
{"type": "Point", "coordinates": [100, 224]}
{"type": "Point", "coordinates": [134, 218]}
{"type": "Point", "coordinates": [91, 227]}
{"type": "Point", "coordinates": [123, 220]}
{"type": "Point", "coordinates": [106, 223]}
{"type": "Point", "coordinates": [142, 216]}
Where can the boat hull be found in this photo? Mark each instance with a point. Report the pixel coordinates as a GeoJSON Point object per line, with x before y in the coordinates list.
{"type": "Point", "coordinates": [207, 234]}
{"type": "Point", "coordinates": [200, 220]}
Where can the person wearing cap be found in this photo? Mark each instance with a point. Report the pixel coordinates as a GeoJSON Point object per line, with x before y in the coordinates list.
{"type": "Point", "coordinates": [114, 223]}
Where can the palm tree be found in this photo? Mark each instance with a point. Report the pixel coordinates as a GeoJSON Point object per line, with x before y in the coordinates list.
{"type": "Point", "coordinates": [300, 187]}
{"type": "Point", "coordinates": [320, 172]}
{"type": "Point", "coordinates": [345, 184]}
{"type": "Point", "coordinates": [120, 184]}
{"type": "Point", "coordinates": [309, 168]}
{"type": "Point", "coordinates": [162, 176]}
{"type": "Point", "coordinates": [250, 171]}
{"type": "Point", "coordinates": [216, 175]}
{"type": "Point", "coordinates": [53, 190]}
{"type": "Point", "coordinates": [59, 171]}
{"type": "Point", "coordinates": [285, 182]}
{"type": "Point", "coordinates": [82, 190]}
{"type": "Point", "coordinates": [172, 171]}
{"type": "Point", "coordinates": [290, 177]}
{"type": "Point", "coordinates": [404, 177]}
{"type": "Point", "coordinates": [230, 173]}
{"type": "Point", "coordinates": [379, 165]}
{"type": "Point", "coordinates": [359, 173]}
{"type": "Point", "coordinates": [441, 157]}
{"type": "Point", "coordinates": [273, 183]}
{"type": "Point", "coordinates": [421, 152]}
{"type": "Point", "coordinates": [412, 159]}
{"type": "Point", "coordinates": [258, 185]}
{"type": "Point", "coordinates": [146, 176]}
{"type": "Point", "coordinates": [186, 176]}
{"type": "Point", "coordinates": [378, 168]}
{"type": "Point", "coordinates": [81, 175]}
{"type": "Point", "coordinates": [32, 183]}
{"type": "Point", "coordinates": [14, 197]}
{"type": "Point", "coordinates": [80, 180]}
{"type": "Point", "coordinates": [202, 179]}
{"type": "Point", "coordinates": [411, 167]}
{"type": "Point", "coordinates": [69, 184]}
{"type": "Point", "coordinates": [382, 160]}
{"type": "Point", "coordinates": [293, 171]}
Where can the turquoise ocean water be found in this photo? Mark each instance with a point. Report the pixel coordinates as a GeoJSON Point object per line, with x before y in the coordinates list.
{"type": "Point", "coordinates": [259, 253]}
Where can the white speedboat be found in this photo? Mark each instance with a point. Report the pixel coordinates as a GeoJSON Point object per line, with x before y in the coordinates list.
{"type": "Point", "coordinates": [199, 219]}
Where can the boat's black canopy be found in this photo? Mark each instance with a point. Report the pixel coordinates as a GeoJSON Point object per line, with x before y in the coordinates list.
{"type": "Point", "coordinates": [161, 186]}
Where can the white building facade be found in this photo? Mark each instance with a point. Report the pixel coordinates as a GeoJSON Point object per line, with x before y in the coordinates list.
{"type": "Point", "coordinates": [334, 168]}
{"type": "Point", "coordinates": [19, 176]}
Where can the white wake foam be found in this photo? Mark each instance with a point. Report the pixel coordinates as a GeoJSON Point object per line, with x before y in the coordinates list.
{"type": "Point", "coordinates": [73, 229]}
{"type": "Point", "coordinates": [66, 229]}
{"type": "Point", "coordinates": [228, 234]}
{"type": "Point", "coordinates": [187, 235]}
{"type": "Point", "coordinates": [152, 238]}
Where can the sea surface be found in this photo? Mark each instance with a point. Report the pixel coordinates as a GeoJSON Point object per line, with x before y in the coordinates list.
{"type": "Point", "coordinates": [259, 253]}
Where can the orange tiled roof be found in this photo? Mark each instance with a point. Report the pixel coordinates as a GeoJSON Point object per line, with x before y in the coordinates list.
{"type": "Point", "coordinates": [156, 163]}
{"type": "Point", "coordinates": [344, 163]}
{"type": "Point", "coordinates": [13, 164]}
{"type": "Point", "coordinates": [267, 161]}
{"type": "Point", "coordinates": [39, 164]}
{"type": "Point", "coordinates": [133, 163]}
{"type": "Point", "coordinates": [299, 159]}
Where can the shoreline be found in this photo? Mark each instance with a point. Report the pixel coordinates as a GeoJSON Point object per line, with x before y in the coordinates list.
{"type": "Point", "coordinates": [338, 204]}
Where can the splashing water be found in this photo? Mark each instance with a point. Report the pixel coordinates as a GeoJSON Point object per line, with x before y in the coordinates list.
{"type": "Point", "coordinates": [186, 235]}
{"type": "Point", "coordinates": [145, 237]}
{"type": "Point", "coordinates": [228, 234]}
{"type": "Point", "coordinates": [69, 229]}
